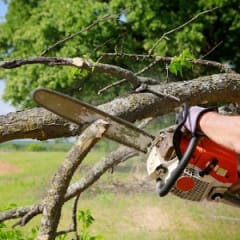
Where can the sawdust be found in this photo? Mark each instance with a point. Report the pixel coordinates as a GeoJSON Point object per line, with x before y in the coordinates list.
{"type": "Point", "coordinates": [7, 168]}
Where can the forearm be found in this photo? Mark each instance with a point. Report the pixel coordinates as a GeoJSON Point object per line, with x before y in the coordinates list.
{"type": "Point", "coordinates": [224, 130]}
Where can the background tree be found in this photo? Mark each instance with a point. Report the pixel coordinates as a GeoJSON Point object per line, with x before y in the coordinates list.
{"type": "Point", "coordinates": [89, 45]}
{"type": "Point", "coordinates": [131, 27]}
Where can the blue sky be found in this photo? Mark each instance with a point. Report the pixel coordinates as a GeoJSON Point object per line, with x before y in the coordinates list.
{"type": "Point", "coordinates": [3, 9]}
{"type": "Point", "coordinates": [4, 107]}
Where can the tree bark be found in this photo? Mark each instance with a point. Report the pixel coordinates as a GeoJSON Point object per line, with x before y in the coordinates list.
{"type": "Point", "coordinates": [35, 123]}
{"type": "Point", "coordinates": [40, 124]}
{"type": "Point", "coordinates": [52, 204]}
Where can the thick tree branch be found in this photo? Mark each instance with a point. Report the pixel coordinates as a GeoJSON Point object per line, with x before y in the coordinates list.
{"type": "Point", "coordinates": [36, 123]}
{"type": "Point", "coordinates": [54, 200]}
{"type": "Point", "coordinates": [209, 89]}
{"type": "Point", "coordinates": [40, 124]}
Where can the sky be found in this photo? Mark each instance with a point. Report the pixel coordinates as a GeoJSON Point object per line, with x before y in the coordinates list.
{"type": "Point", "coordinates": [4, 107]}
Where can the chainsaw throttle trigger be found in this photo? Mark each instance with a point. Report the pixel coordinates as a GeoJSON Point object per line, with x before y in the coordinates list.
{"type": "Point", "coordinates": [164, 188]}
{"type": "Point", "coordinates": [211, 165]}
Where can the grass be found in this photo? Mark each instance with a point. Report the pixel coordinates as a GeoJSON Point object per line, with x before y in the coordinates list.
{"type": "Point", "coordinates": [119, 215]}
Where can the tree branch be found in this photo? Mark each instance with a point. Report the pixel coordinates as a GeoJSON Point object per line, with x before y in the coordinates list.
{"type": "Point", "coordinates": [54, 200]}
{"type": "Point", "coordinates": [40, 124]}
{"type": "Point", "coordinates": [112, 159]}
{"type": "Point", "coordinates": [77, 62]}
{"type": "Point", "coordinates": [27, 213]}
{"type": "Point", "coordinates": [179, 27]}
{"type": "Point", "coordinates": [207, 63]}
{"type": "Point", "coordinates": [101, 19]}
{"type": "Point", "coordinates": [21, 212]}
{"type": "Point", "coordinates": [35, 123]}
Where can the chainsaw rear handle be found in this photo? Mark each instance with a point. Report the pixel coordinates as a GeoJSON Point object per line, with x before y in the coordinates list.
{"type": "Point", "coordinates": [164, 188]}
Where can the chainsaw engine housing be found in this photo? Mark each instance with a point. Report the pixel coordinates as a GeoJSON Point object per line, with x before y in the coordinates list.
{"type": "Point", "coordinates": [209, 174]}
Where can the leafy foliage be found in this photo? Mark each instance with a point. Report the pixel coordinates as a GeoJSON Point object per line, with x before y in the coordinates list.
{"type": "Point", "coordinates": [179, 62]}
{"type": "Point", "coordinates": [32, 26]}
{"type": "Point", "coordinates": [84, 217]}
{"type": "Point", "coordinates": [13, 234]}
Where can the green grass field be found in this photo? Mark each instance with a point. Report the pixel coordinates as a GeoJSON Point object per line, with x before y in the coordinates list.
{"type": "Point", "coordinates": [118, 215]}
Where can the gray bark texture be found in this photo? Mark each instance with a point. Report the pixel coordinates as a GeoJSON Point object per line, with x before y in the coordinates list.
{"type": "Point", "coordinates": [38, 123]}
{"type": "Point", "coordinates": [53, 202]}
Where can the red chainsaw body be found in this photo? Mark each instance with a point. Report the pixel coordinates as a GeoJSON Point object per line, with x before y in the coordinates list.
{"type": "Point", "coordinates": [221, 163]}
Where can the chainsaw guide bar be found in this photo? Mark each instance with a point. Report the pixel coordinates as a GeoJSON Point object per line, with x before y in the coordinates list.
{"type": "Point", "coordinates": [82, 113]}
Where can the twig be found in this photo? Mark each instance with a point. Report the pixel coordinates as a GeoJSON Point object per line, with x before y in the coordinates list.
{"type": "Point", "coordinates": [74, 216]}
{"type": "Point", "coordinates": [211, 50]}
{"type": "Point", "coordinates": [145, 88]}
{"type": "Point", "coordinates": [34, 211]}
{"type": "Point", "coordinates": [73, 227]}
{"type": "Point", "coordinates": [111, 85]}
{"type": "Point", "coordinates": [148, 67]}
{"type": "Point", "coordinates": [101, 19]}
{"type": "Point", "coordinates": [179, 27]}
{"type": "Point", "coordinates": [70, 230]}
{"type": "Point", "coordinates": [20, 212]}
{"type": "Point", "coordinates": [222, 67]}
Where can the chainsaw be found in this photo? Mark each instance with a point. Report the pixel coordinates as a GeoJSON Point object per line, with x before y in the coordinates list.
{"type": "Point", "coordinates": [192, 167]}
{"type": "Point", "coordinates": [199, 169]}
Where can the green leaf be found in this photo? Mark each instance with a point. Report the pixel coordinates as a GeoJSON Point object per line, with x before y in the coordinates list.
{"type": "Point", "coordinates": [182, 61]}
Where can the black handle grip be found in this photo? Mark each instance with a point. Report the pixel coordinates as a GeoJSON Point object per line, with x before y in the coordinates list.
{"type": "Point", "coordinates": [163, 189]}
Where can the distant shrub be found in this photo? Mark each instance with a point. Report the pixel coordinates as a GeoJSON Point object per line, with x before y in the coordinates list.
{"type": "Point", "coordinates": [35, 147]}
{"type": "Point", "coordinates": [7, 233]}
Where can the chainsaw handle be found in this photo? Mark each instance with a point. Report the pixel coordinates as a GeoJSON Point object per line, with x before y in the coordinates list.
{"type": "Point", "coordinates": [163, 189]}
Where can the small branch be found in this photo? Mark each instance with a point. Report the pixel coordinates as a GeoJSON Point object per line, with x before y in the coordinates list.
{"type": "Point", "coordinates": [148, 67]}
{"type": "Point", "coordinates": [20, 212]}
{"type": "Point", "coordinates": [74, 216]}
{"type": "Point", "coordinates": [111, 85]}
{"type": "Point", "coordinates": [145, 88]}
{"type": "Point", "coordinates": [34, 211]}
{"type": "Point", "coordinates": [220, 66]}
{"type": "Point", "coordinates": [101, 19]}
{"type": "Point", "coordinates": [112, 159]}
{"type": "Point", "coordinates": [179, 27]}
{"type": "Point", "coordinates": [211, 50]}
{"type": "Point", "coordinates": [143, 79]}
{"type": "Point", "coordinates": [77, 62]}
{"type": "Point", "coordinates": [73, 227]}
